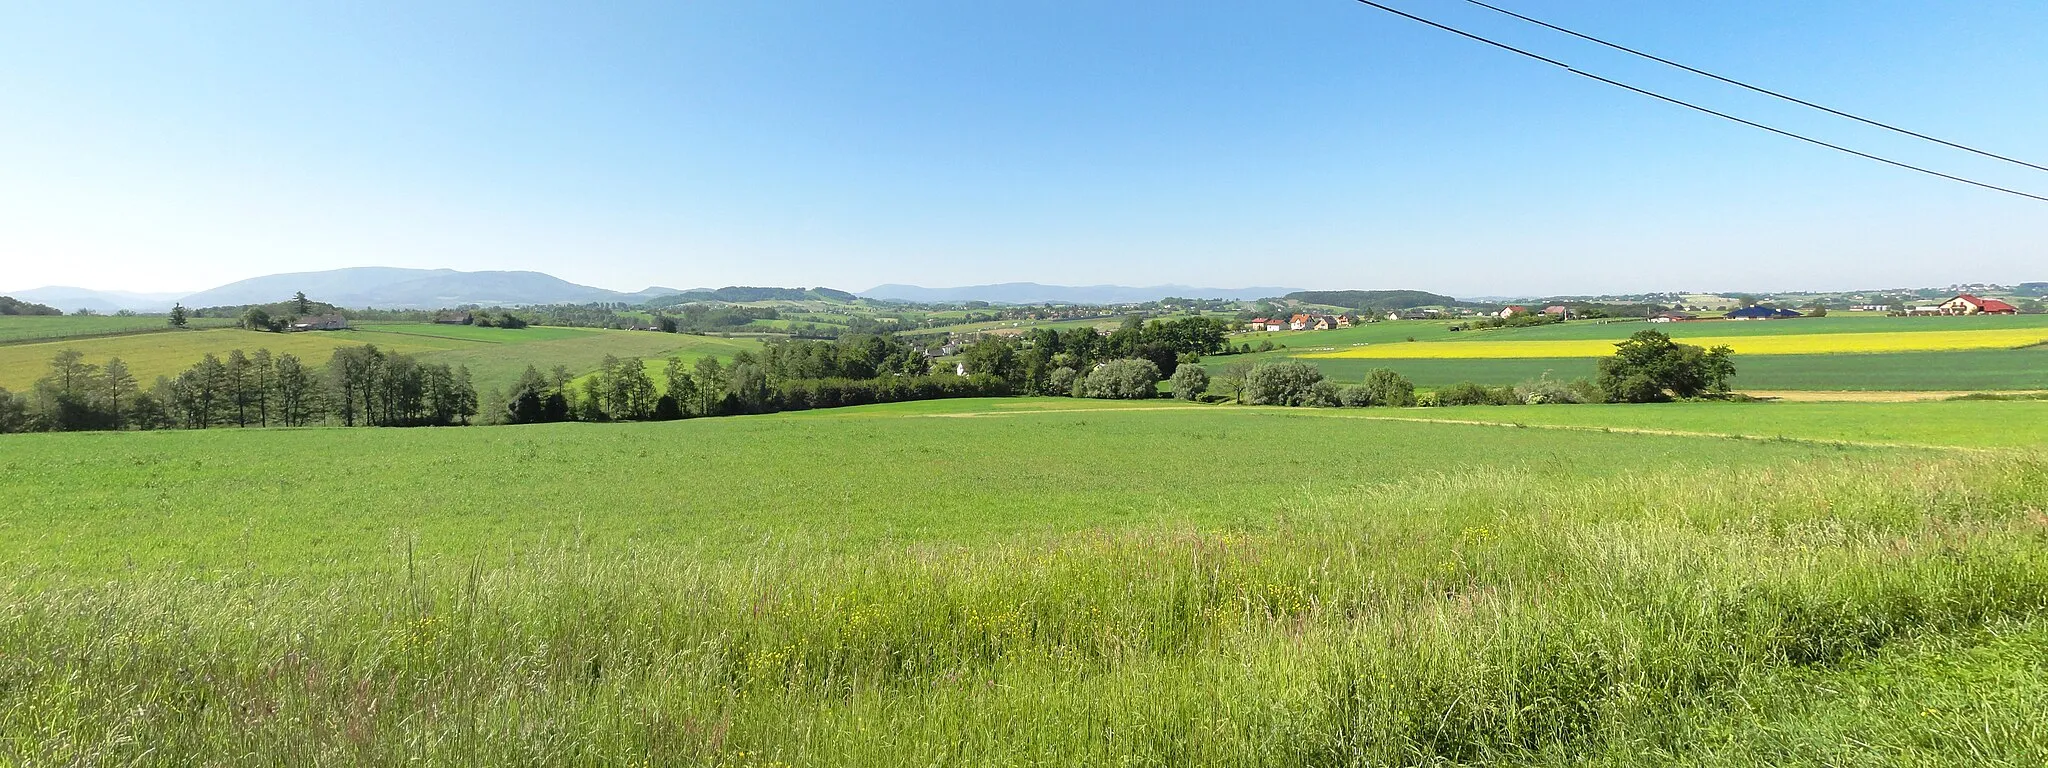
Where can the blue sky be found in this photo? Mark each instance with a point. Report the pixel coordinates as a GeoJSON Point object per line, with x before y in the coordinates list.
{"type": "Point", "coordinates": [1315, 143]}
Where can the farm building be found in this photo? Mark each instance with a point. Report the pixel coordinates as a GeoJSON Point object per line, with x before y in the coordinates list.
{"type": "Point", "coordinates": [1966, 304]}
{"type": "Point", "coordinates": [321, 323]}
{"type": "Point", "coordinates": [1673, 317]}
{"type": "Point", "coordinates": [1512, 311]}
{"type": "Point", "coordinates": [452, 318]}
{"type": "Point", "coordinates": [1559, 311]}
{"type": "Point", "coordinates": [1761, 312]}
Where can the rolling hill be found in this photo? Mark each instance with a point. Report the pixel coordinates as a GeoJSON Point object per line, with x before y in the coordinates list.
{"type": "Point", "coordinates": [396, 288]}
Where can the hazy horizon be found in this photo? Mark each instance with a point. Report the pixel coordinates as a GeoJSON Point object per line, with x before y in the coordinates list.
{"type": "Point", "coordinates": [1325, 145]}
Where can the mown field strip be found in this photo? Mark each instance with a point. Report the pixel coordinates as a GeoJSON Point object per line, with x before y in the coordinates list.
{"type": "Point", "coordinates": [1809, 422]}
{"type": "Point", "coordinates": [1790, 344]}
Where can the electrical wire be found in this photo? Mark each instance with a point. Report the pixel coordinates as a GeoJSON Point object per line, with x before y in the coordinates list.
{"type": "Point", "coordinates": [1757, 88]}
{"type": "Point", "coordinates": [1692, 106]}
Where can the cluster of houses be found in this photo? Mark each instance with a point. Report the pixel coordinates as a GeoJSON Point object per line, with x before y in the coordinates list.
{"type": "Point", "coordinates": [1966, 304]}
{"type": "Point", "coordinates": [1558, 311]}
{"type": "Point", "coordinates": [1300, 323]}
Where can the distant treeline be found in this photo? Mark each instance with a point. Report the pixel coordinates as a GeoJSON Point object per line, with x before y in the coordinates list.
{"type": "Point", "coordinates": [359, 386]}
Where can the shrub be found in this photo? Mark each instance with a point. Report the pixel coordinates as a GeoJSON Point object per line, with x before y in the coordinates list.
{"type": "Point", "coordinates": [1128, 379]}
{"type": "Point", "coordinates": [1354, 396]}
{"type": "Point", "coordinates": [1385, 387]}
{"type": "Point", "coordinates": [1544, 390]}
{"type": "Point", "coordinates": [1288, 383]}
{"type": "Point", "coordinates": [1468, 393]}
{"type": "Point", "coordinates": [1322, 394]}
{"type": "Point", "coordinates": [1190, 382]}
{"type": "Point", "coordinates": [1062, 381]}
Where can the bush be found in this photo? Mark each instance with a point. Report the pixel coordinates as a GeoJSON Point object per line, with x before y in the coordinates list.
{"type": "Point", "coordinates": [1062, 381]}
{"type": "Point", "coordinates": [1468, 393]}
{"type": "Point", "coordinates": [1354, 396]}
{"type": "Point", "coordinates": [1288, 383]}
{"type": "Point", "coordinates": [1386, 388]}
{"type": "Point", "coordinates": [1545, 391]}
{"type": "Point", "coordinates": [1322, 394]}
{"type": "Point", "coordinates": [1127, 379]}
{"type": "Point", "coordinates": [1190, 382]}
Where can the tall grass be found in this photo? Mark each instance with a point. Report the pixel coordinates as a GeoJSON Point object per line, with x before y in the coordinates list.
{"type": "Point", "coordinates": [1476, 617]}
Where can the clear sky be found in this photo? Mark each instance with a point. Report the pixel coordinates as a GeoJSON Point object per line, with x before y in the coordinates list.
{"type": "Point", "coordinates": [1310, 143]}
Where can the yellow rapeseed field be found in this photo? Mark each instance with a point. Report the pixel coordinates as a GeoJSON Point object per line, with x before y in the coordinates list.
{"type": "Point", "coordinates": [1799, 344]}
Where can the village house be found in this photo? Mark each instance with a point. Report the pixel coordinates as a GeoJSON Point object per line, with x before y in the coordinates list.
{"type": "Point", "coordinates": [1298, 323]}
{"type": "Point", "coordinates": [1966, 304]}
{"type": "Point", "coordinates": [1265, 324]}
{"type": "Point", "coordinates": [1558, 311]}
{"type": "Point", "coordinates": [1343, 321]}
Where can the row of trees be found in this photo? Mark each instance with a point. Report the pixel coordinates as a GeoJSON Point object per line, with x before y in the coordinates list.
{"type": "Point", "coordinates": [790, 375]}
{"type": "Point", "coordinates": [358, 386]}
{"type": "Point", "coordinates": [1031, 364]}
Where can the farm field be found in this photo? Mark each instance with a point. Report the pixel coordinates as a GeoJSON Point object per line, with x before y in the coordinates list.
{"type": "Point", "coordinates": [151, 355]}
{"type": "Point", "coordinates": [17, 329]}
{"type": "Point", "coordinates": [1983, 370]}
{"type": "Point", "coordinates": [1040, 581]}
{"type": "Point", "coordinates": [1770, 344]}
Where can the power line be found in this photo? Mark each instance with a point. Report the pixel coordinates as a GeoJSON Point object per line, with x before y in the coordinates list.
{"type": "Point", "coordinates": [1758, 89]}
{"type": "Point", "coordinates": [1690, 105]}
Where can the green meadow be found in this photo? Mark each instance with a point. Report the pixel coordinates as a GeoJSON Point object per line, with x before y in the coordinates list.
{"type": "Point", "coordinates": [1041, 582]}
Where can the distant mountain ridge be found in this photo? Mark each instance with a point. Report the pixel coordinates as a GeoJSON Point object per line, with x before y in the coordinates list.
{"type": "Point", "coordinates": [72, 299]}
{"type": "Point", "coordinates": [399, 288]}
{"type": "Point", "coordinates": [1035, 293]}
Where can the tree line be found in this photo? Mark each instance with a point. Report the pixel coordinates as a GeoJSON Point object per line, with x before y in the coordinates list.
{"type": "Point", "coordinates": [359, 386]}
{"type": "Point", "coordinates": [796, 374]}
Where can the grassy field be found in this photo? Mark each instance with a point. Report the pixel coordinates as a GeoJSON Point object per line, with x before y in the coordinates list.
{"type": "Point", "coordinates": [17, 329]}
{"type": "Point", "coordinates": [1038, 582]}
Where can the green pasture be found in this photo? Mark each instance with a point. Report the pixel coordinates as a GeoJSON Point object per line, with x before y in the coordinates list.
{"type": "Point", "coordinates": [1974, 370]}
{"type": "Point", "coordinates": [16, 329]}
{"type": "Point", "coordinates": [1035, 582]}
